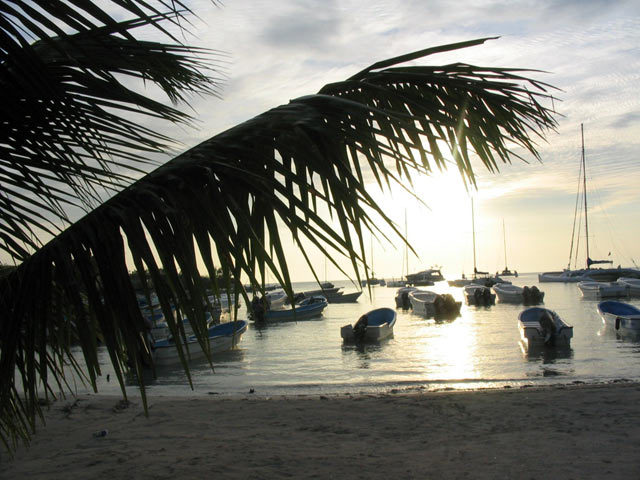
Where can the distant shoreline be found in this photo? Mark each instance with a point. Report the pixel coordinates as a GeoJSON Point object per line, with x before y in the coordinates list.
{"type": "Point", "coordinates": [561, 431]}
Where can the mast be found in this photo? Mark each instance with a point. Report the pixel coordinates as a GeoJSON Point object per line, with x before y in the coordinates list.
{"type": "Point", "coordinates": [504, 239]}
{"type": "Point", "coordinates": [406, 239]}
{"type": "Point", "coordinates": [473, 233]}
{"type": "Point", "coordinates": [584, 188]}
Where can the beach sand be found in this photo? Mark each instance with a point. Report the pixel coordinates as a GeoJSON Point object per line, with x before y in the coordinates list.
{"type": "Point", "coordinates": [563, 432]}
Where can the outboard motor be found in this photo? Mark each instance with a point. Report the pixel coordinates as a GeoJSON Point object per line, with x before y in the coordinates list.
{"type": "Point", "coordinates": [526, 295]}
{"type": "Point", "coordinates": [548, 326]}
{"type": "Point", "coordinates": [479, 297]}
{"type": "Point", "coordinates": [360, 328]}
{"type": "Point", "coordinates": [449, 303]}
{"type": "Point", "coordinates": [536, 297]}
{"type": "Point", "coordinates": [486, 295]}
{"type": "Point", "coordinates": [406, 304]}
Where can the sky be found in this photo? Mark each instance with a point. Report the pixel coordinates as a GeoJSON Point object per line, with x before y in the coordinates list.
{"type": "Point", "coordinates": [277, 50]}
{"type": "Point", "coordinates": [590, 50]}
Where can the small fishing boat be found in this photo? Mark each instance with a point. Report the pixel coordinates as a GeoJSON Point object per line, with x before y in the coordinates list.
{"type": "Point", "coordinates": [222, 337]}
{"type": "Point", "coordinates": [479, 295]}
{"type": "Point", "coordinates": [345, 298]}
{"type": "Point", "coordinates": [423, 302]}
{"type": "Point", "coordinates": [276, 299]}
{"type": "Point", "coordinates": [595, 290]}
{"type": "Point", "coordinates": [298, 312]}
{"type": "Point", "coordinates": [622, 317]}
{"type": "Point", "coordinates": [633, 285]}
{"type": "Point", "coordinates": [508, 293]}
{"type": "Point", "coordinates": [431, 304]}
{"type": "Point", "coordinates": [402, 297]}
{"type": "Point", "coordinates": [542, 327]}
{"type": "Point", "coordinates": [374, 326]}
{"type": "Point", "coordinates": [160, 329]}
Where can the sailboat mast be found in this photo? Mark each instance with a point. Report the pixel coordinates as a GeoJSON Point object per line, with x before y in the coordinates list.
{"type": "Point", "coordinates": [473, 232]}
{"type": "Point", "coordinates": [504, 240]}
{"type": "Point", "coordinates": [406, 237]}
{"type": "Point", "coordinates": [584, 187]}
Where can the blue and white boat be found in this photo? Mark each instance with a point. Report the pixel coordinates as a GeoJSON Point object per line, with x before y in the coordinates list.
{"type": "Point", "coordinates": [374, 326]}
{"type": "Point", "coordinates": [222, 337]}
{"type": "Point", "coordinates": [622, 317]}
{"type": "Point", "coordinates": [311, 308]}
{"type": "Point", "coordinates": [542, 327]}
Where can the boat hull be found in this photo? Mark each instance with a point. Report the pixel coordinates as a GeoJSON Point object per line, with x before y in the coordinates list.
{"type": "Point", "coordinates": [535, 334]}
{"type": "Point", "coordinates": [479, 295]}
{"type": "Point", "coordinates": [597, 290]}
{"type": "Point", "coordinates": [423, 302]}
{"type": "Point", "coordinates": [379, 326]}
{"type": "Point", "coordinates": [620, 317]}
{"type": "Point", "coordinates": [303, 312]}
{"type": "Point", "coordinates": [222, 337]}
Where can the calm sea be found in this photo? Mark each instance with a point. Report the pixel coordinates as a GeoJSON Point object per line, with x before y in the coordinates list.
{"type": "Point", "coordinates": [478, 349]}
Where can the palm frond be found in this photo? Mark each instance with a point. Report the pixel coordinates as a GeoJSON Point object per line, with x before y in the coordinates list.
{"type": "Point", "coordinates": [231, 199]}
{"type": "Point", "coordinates": [69, 129]}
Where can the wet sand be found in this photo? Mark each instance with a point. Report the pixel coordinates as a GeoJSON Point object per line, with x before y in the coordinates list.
{"type": "Point", "coordinates": [575, 431]}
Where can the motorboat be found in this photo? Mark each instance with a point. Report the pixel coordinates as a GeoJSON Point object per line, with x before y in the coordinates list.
{"type": "Point", "coordinates": [508, 293]}
{"type": "Point", "coordinates": [160, 328]}
{"type": "Point", "coordinates": [542, 327]}
{"type": "Point", "coordinates": [460, 282]}
{"type": "Point", "coordinates": [621, 317]}
{"type": "Point", "coordinates": [596, 290]}
{"type": "Point", "coordinates": [564, 276]}
{"type": "Point", "coordinates": [423, 302]}
{"type": "Point", "coordinates": [402, 297]}
{"type": "Point", "coordinates": [221, 337]}
{"type": "Point", "coordinates": [589, 274]}
{"type": "Point", "coordinates": [431, 304]}
{"type": "Point", "coordinates": [425, 278]}
{"type": "Point", "coordinates": [393, 283]}
{"type": "Point", "coordinates": [345, 297]}
{"type": "Point", "coordinates": [275, 299]}
{"type": "Point", "coordinates": [633, 285]}
{"type": "Point", "coordinates": [312, 309]}
{"type": "Point", "coordinates": [479, 295]}
{"type": "Point", "coordinates": [373, 326]}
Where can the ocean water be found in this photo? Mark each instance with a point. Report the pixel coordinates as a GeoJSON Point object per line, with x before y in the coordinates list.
{"type": "Point", "coordinates": [478, 349]}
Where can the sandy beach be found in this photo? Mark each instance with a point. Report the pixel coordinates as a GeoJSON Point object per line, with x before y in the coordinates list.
{"type": "Point", "coordinates": [574, 431]}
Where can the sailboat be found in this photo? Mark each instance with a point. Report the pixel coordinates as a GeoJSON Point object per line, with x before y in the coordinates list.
{"type": "Point", "coordinates": [478, 277]}
{"type": "Point", "coordinates": [393, 283]}
{"type": "Point", "coordinates": [372, 280]}
{"type": "Point", "coordinates": [588, 273]}
{"type": "Point", "coordinates": [506, 272]}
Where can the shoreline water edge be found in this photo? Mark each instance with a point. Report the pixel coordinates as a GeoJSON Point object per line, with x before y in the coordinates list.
{"type": "Point", "coordinates": [571, 430]}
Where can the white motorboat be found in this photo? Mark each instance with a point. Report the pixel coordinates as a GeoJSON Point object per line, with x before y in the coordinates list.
{"type": "Point", "coordinates": [508, 293]}
{"type": "Point", "coordinates": [160, 328]}
{"type": "Point", "coordinates": [595, 290]}
{"type": "Point", "coordinates": [276, 300]}
{"type": "Point", "coordinates": [633, 285]}
{"type": "Point", "coordinates": [542, 327]}
{"type": "Point", "coordinates": [431, 304]}
{"type": "Point", "coordinates": [479, 295]}
{"type": "Point", "coordinates": [221, 337]}
{"type": "Point", "coordinates": [425, 277]}
{"type": "Point", "coordinates": [402, 297]}
{"type": "Point", "coordinates": [621, 317]}
{"type": "Point", "coordinates": [423, 302]}
{"type": "Point", "coordinates": [374, 326]}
